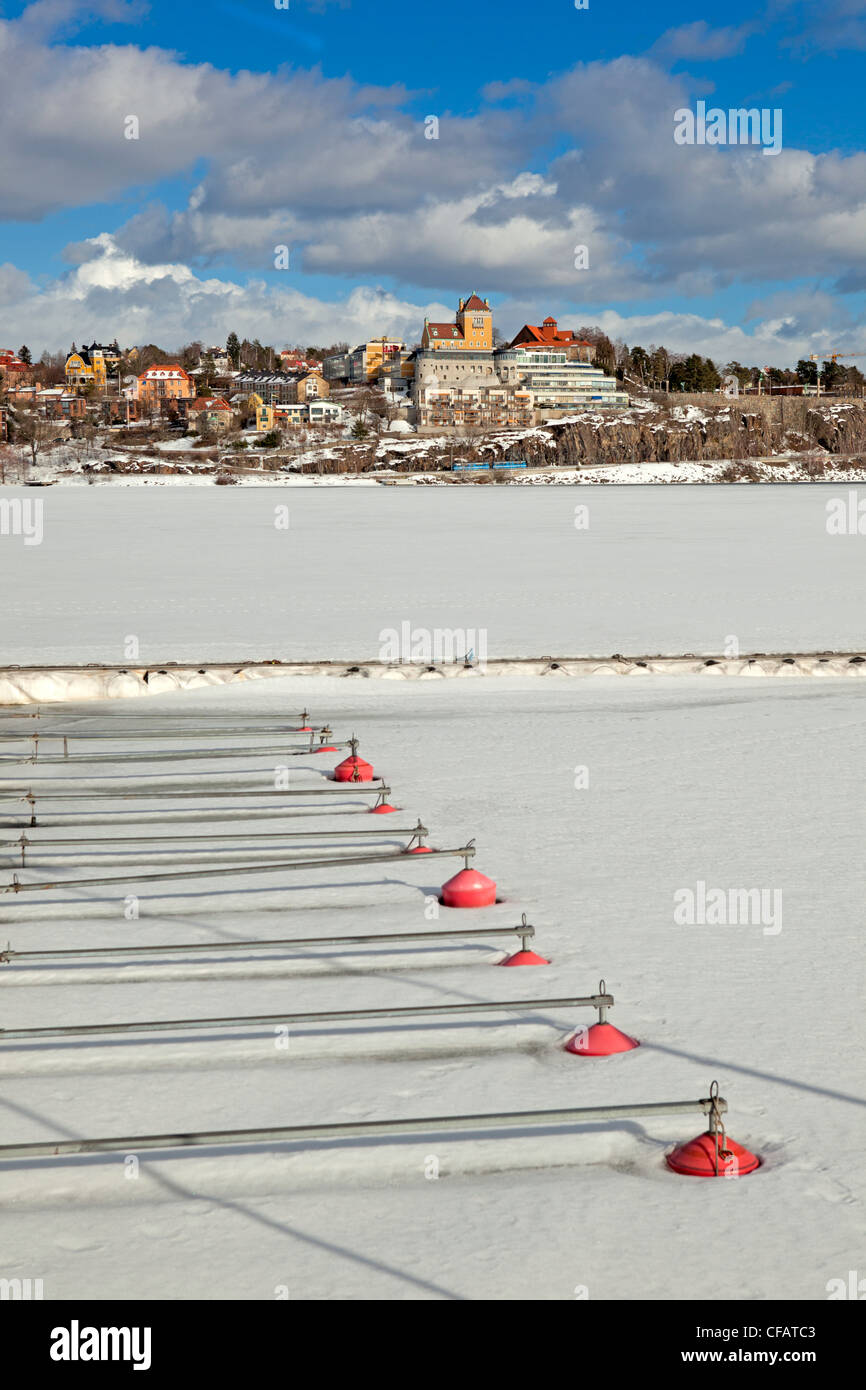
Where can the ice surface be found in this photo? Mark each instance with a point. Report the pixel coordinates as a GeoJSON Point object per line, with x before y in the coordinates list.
{"type": "Point", "coordinates": [737, 784]}
{"type": "Point", "coordinates": [206, 574]}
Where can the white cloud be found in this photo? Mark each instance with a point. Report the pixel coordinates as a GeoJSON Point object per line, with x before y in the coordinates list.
{"type": "Point", "coordinates": [700, 40]}
{"type": "Point", "coordinates": [112, 294]}
{"type": "Point", "coordinates": [345, 177]}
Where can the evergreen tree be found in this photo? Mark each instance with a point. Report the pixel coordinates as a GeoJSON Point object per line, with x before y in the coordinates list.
{"type": "Point", "coordinates": [807, 372]}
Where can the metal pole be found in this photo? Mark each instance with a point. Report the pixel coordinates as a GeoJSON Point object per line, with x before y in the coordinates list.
{"type": "Point", "coordinates": [119, 716]}
{"type": "Point", "coordinates": [186, 1025]}
{"type": "Point", "coordinates": [205, 815]}
{"type": "Point", "coordinates": [464, 852]}
{"type": "Point", "coordinates": [23, 958]}
{"type": "Point", "coordinates": [365, 788]}
{"type": "Point", "coordinates": [24, 842]}
{"type": "Point", "coordinates": [198, 854]}
{"type": "Point", "coordinates": [191, 755]}
{"type": "Point", "coordinates": [360, 1129]}
{"type": "Point", "coordinates": [233, 731]}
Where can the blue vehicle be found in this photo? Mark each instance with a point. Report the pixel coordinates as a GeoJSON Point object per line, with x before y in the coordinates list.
{"type": "Point", "coordinates": [497, 463]}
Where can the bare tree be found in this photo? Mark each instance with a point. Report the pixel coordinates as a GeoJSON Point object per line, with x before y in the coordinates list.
{"type": "Point", "coordinates": [36, 433]}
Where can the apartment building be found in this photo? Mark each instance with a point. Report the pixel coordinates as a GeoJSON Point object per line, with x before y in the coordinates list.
{"type": "Point", "coordinates": [364, 363]}
{"type": "Point", "coordinates": [558, 383]}
{"type": "Point", "coordinates": [164, 383]}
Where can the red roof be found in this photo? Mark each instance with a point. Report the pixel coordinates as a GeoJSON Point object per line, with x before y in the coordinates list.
{"type": "Point", "coordinates": [548, 335]}
{"type": "Point", "coordinates": [165, 368]}
{"type": "Point", "coordinates": [473, 302]}
{"type": "Point", "coordinates": [10, 361]}
{"type": "Point", "coordinates": [444, 330]}
{"type": "Point", "coordinates": [209, 403]}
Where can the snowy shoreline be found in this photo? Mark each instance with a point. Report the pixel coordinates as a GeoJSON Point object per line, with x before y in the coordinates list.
{"type": "Point", "coordinates": [49, 684]}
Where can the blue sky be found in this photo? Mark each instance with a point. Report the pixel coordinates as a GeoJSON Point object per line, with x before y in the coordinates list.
{"type": "Point", "coordinates": [305, 127]}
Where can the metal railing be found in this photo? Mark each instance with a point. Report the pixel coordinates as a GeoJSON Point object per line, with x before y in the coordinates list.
{"type": "Point", "coordinates": [713, 1106]}
{"type": "Point", "coordinates": [186, 755]}
{"type": "Point", "coordinates": [464, 852]}
{"type": "Point", "coordinates": [232, 731]}
{"type": "Point", "coordinates": [601, 1002]}
{"type": "Point", "coordinates": [146, 842]}
{"type": "Point", "coordinates": [26, 958]}
{"type": "Point", "coordinates": [335, 792]}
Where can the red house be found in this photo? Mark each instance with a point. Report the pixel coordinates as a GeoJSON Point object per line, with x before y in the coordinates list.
{"type": "Point", "coordinates": [551, 336]}
{"type": "Point", "coordinates": [11, 365]}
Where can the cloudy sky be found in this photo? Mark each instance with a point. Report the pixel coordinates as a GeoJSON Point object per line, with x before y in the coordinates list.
{"type": "Point", "coordinates": [307, 127]}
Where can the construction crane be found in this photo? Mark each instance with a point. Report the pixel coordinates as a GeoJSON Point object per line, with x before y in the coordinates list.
{"type": "Point", "coordinates": [830, 357]}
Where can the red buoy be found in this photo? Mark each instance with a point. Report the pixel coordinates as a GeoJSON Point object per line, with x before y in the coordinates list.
{"type": "Point", "coordinates": [600, 1040]}
{"type": "Point", "coordinates": [327, 749]}
{"type": "Point", "coordinates": [420, 849]}
{"type": "Point", "coordinates": [353, 769]}
{"type": "Point", "coordinates": [524, 956]}
{"type": "Point", "coordinates": [697, 1158]}
{"type": "Point", "coordinates": [383, 809]}
{"type": "Point", "coordinates": [469, 888]}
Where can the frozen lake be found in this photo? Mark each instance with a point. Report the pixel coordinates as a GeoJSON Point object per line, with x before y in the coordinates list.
{"type": "Point", "coordinates": [208, 574]}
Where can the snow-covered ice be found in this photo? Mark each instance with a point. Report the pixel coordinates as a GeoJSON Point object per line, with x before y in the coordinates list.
{"type": "Point", "coordinates": [739, 784]}
{"type": "Point", "coordinates": [206, 574]}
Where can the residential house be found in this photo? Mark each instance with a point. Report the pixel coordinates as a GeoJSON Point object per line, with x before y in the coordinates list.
{"type": "Point", "coordinates": [217, 358]}
{"type": "Point", "coordinates": [210, 414]}
{"type": "Point", "coordinates": [22, 393]}
{"type": "Point", "coordinates": [59, 403]}
{"type": "Point", "coordinates": [290, 414]}
{"type": "Point", "coordinates": [163, 384]}
{"type": "Point", "coordinates": [12, 369]}
{"type": "Point", "coordinates": [123, 409]}
{"type": "Point", "coordinates": [269, 387]}
{"type": "Point", "coordinates": [325, 412]}
{"type": "Point", "coordinates": [52, 401]}
{"type": "Point", "coordinates": [92, 366]}
{"type": "Point", "coordinates": [550, 335]}
{"type": "Point", "coordinates": [312, 386]}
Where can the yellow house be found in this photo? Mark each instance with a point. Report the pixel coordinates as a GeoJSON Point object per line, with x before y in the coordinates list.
{"type": "Point", "coordinates": [312, 387]}
{"type": "Point", "coordinates": [271, 417]}
{"type": "Point", "coordinates": [92, 366]}
{"type": "Point", "coordinates": [290, 413]}
{"type": "Point", "coordinates": [472, 329]}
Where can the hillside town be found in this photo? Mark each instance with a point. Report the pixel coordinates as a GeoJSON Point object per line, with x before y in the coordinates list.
{"type": "Point", "coordinates": [461, 384]}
